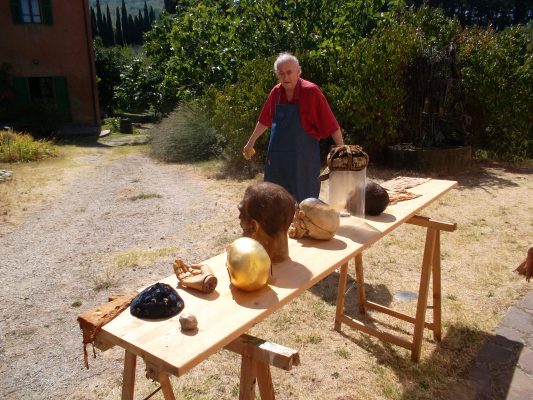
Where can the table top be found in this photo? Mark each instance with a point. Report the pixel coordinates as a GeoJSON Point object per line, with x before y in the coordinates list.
{"type": "Point", "coordinates": [228, 312]}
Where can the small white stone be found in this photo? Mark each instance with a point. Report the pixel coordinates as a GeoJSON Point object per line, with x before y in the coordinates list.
{"type": "Point", "coordinates": [188, 322]}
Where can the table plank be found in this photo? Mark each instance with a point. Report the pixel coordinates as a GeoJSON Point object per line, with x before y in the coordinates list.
{"type": "Point", "coordinates": [228, 312]}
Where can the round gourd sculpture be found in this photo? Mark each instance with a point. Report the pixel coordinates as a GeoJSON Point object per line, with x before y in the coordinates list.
{"type": "Point", "coordinates": [248, 264]}
{"type": "Point", "coordinates": [315, 219]}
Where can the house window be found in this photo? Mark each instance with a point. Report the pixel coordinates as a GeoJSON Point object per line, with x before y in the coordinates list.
{"type": "Point", "coordinates": [31, 11]}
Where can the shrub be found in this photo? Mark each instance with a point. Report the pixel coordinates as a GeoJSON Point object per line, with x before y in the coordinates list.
{"type": "Point", "coordinates": [21, 147]}
{"type": "Point", "coordinates": [113, 123]}
{"type": "Point", "coordinates": [368, 91]}
{"type": "Point", "coordinates": [497, 71]}
{"type": "Point", "coordinates": [185, 135]}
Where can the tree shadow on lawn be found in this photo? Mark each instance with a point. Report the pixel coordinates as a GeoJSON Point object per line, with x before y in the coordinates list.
{"type": "Point", "coordinates": [327, 290]}
{"type": "Point", "coordinates": [483, 173]}
{"type": "Point", "coordinates": [467, 364]}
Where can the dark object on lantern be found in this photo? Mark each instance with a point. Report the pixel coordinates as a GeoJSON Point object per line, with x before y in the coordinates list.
{"type": "Point", "coordinates": [157, 301]}
{"type": "Point", "coordinates": [376, 199]}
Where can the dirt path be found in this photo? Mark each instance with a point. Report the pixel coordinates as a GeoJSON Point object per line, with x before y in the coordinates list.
{"type": "Point", "coordinates": [62, 250]}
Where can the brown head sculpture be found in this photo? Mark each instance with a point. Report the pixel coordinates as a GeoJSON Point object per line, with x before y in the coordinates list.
{"type": "Point", "coordinates": [266, 213]}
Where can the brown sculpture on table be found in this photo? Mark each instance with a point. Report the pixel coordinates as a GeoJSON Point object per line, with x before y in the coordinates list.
{"type": "Point", "coordinates": [266, 213]}
{"type": "Point", "coordinates": [314, 218]}
{"type": "Point", "coordinates": [195, 276]}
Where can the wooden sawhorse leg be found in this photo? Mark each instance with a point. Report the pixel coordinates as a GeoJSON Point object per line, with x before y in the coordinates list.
{"type": "Point", "coordinates": [430, 265]}
{"type": "Point", "coordinates": [128, 379]}
{"type": "Point", "coordinates": [257, 357]}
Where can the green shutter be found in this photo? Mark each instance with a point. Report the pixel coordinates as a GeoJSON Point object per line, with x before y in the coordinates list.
{"type": "Point", "coordinates": [46, 9]}
{"type": "Point", "coordinates": [22, 91]}
{"type": "Point", "coordinates": [62, 99]}
{"type": "Point", "coordinates": [16, 11]}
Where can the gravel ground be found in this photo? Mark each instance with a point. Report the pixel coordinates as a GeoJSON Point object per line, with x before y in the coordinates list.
{"type": "Point", "coordinates": [56, 257]}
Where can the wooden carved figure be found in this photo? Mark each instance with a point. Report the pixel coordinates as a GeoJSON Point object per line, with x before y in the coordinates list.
{"type": "Point", "coordinates": [266, 213]}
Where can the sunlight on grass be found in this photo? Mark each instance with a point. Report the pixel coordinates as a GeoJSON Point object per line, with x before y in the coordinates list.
{"type": "Point", "coordinates": [139, 257]}
{"type": "Point", "coordinates": [21, 147]}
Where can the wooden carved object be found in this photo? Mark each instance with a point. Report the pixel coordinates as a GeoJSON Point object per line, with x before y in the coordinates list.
{"type": "Point", "coordinates": [195, 276]}
{"type": "Point", "coordinates": [266, 213]}
{"type": "Point", "coordinates": [92, 321]}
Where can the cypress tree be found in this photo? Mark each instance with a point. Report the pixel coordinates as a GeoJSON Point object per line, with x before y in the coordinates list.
{"type": "Point", "coordinates": [131, 30]}
{"type": "Point", "coordinates": [146, 18]}
{"type": "Point", "coordinates": [119, 40]}
{"type": "Point", "coordinates": [170, 6]}
{"type": "Point", "coordinates": [124, 22]}
{"type": "Point", "coordinates": [109, 28]}
{"type": "Point", "coordinates": [93, 23]}
{"type": "Point", "coordinates": [152, 15]}
{"type": "Point", "coordinates": [100, 29]}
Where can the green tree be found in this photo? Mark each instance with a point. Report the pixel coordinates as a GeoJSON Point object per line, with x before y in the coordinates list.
{"type": "Point", "coordinates": [119, 39]}
{"type": "Point", "coordinates": [109, 62]}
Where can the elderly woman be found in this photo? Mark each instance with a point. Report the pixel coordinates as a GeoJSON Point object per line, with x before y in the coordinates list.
{"type": "Point", "coordinates": [299, 116]}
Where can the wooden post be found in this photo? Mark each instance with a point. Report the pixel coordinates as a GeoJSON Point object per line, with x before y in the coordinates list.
{"type": "Point", "coordinates": [264, 381]}
{"type": "Point", "coordinates": [359, 275]}
{"type": "Point", "coordinates": [421, 306]}
{"type": "Point", "coordinates": [257, 357]}
{"type": "Point", "coordinates": [340, 296]}
{"type": "Point", "coordinates": [128, 380]}
{"type": "Point", "coordinates": [248, 375]}
{"type": "Point", "coordinates": [166, 386]}
{"type": "Point", "coordinates": [437, 304]}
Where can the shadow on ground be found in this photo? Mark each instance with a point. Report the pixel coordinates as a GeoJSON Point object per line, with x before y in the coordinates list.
{"type": "Point", "coordinates": [80, 140]}
{"type": "Point", "coordinates": [481, 174]}
{"type": "Point", "coordinates": [468, 364]}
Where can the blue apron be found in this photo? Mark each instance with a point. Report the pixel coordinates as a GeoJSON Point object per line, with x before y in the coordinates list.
{"type": "Point", "coordinates": [293, 158]}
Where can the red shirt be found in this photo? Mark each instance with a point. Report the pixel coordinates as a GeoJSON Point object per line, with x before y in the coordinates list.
{"type": "Point", "coordinates": [315, 114]}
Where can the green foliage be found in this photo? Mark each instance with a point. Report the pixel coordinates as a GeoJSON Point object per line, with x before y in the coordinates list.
{"type": "Point", "coordinates": [138, 88]}
{"type": "Point", "coordinates": [497, 73]}
{"type": "Point", "coordinates": [109, 62]}
{"type": "Point", "coordinates": [185, 135]}
{"type": "Point", "coordinates": [236, 107]}
{"type": "Point", "coordinates": [358, 52]}
{"type": "Point", "coordinates": [112, 123]}
{"type": "Point", "coordinates": [205, 43]}
{"type": "Point", "coordinates": [21, 147]}
{"type": "Point", "coordinates": [367, 87]}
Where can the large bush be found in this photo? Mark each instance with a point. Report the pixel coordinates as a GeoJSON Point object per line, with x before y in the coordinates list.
{"type": "Point", "coordinates": [497, 71]}
{"type": "Point", "coordinates": [185, 135]}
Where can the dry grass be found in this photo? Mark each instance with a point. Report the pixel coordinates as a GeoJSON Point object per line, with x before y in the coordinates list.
{"type": "Point", "coordinates": [494, 213]}
{"type": "Point", "coordinates": [493, 209]}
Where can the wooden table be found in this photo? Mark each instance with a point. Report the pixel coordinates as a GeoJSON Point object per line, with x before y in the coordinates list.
{"type": "Point", "coordinates": [226, 314]}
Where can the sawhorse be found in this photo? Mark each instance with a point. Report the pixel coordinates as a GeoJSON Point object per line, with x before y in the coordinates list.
{"type": "Point", "coordinates": [257, 355]}
{"type": "Point", "coordinates": [430, 265]}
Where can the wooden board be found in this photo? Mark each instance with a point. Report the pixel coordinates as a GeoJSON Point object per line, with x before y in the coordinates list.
{"type": "Point", "coordinates": [228, 312]}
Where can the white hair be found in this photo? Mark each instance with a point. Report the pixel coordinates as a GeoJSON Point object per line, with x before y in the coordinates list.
{"type": "Point", "coordinates": [283, 58]}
